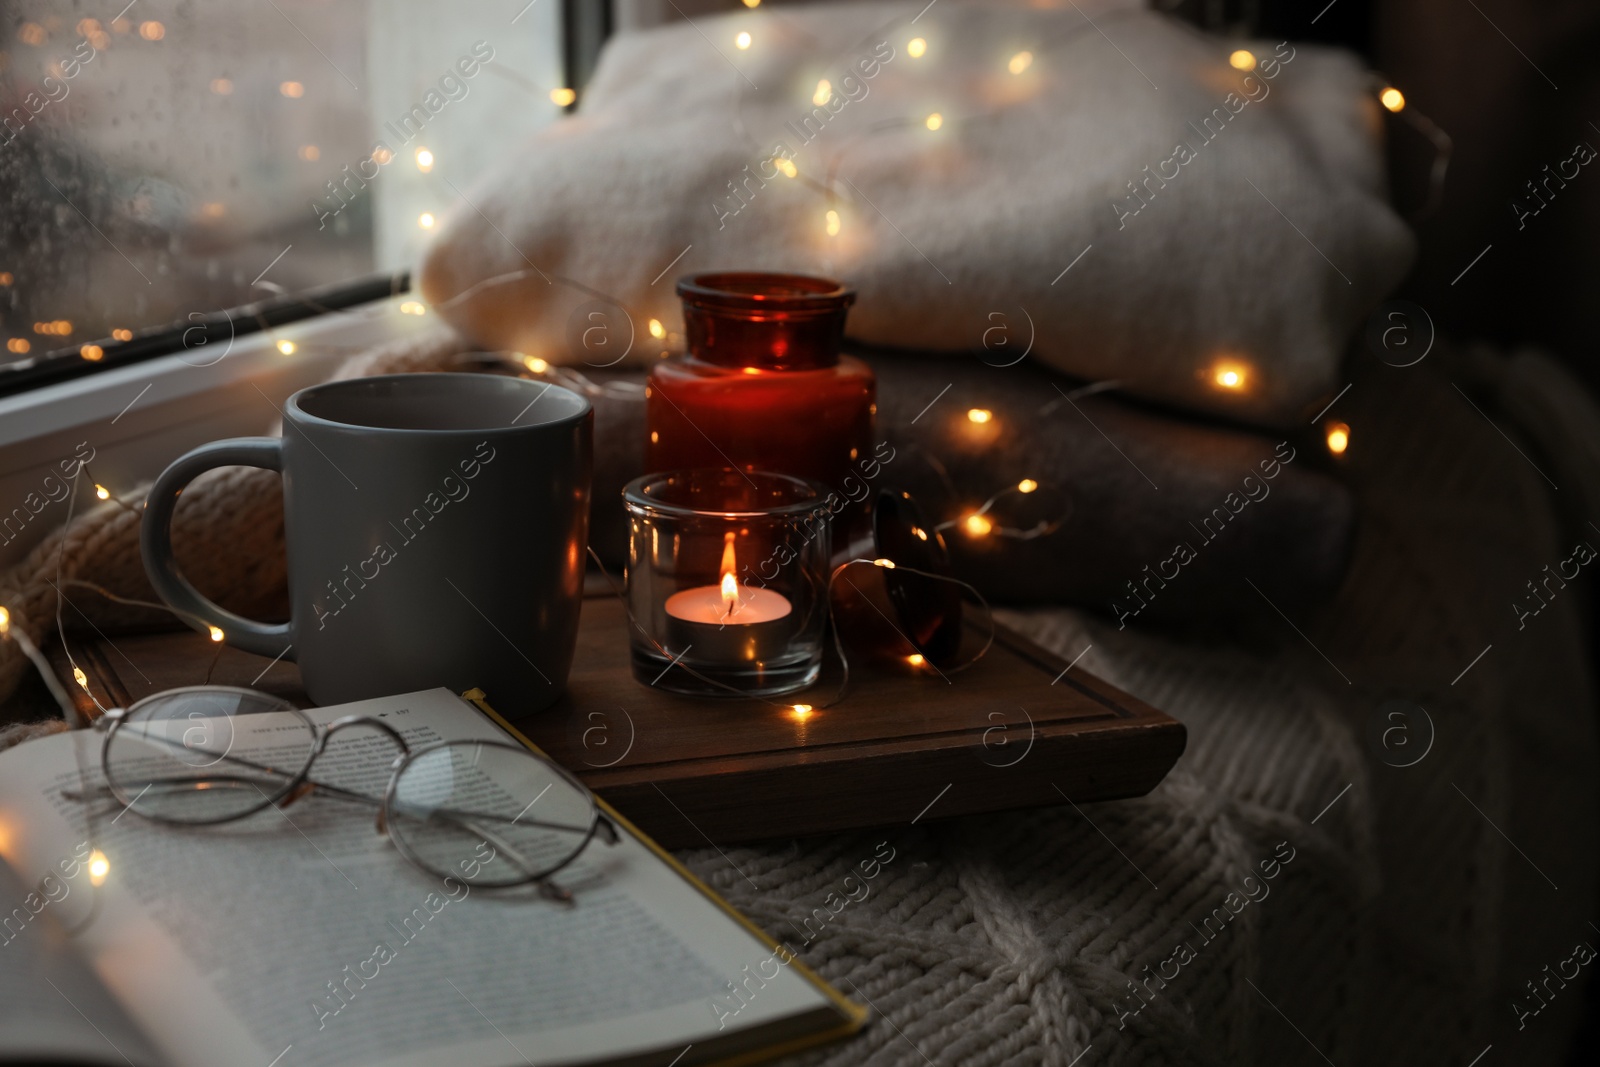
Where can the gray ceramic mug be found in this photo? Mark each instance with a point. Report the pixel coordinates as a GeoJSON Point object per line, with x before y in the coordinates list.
{"type": "Point", "coordinates": [436, 528]}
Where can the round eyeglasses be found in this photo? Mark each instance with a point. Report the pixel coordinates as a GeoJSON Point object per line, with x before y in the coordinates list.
{"type": "Point", "coordinates": [491, 814]}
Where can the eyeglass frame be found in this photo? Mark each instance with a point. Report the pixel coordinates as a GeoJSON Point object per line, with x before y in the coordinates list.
{"type": "Point", "coordinates": [112, 720]}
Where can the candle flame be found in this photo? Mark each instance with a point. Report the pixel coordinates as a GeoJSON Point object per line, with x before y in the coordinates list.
{"type": "Point", "coordinates": [730, 584]}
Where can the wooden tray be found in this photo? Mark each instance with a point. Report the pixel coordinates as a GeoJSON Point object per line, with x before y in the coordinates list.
{"type": "Point", "coordinates": [1019, 729]}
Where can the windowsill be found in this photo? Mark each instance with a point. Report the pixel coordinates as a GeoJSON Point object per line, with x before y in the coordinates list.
{"type": "Point", "coordinates": [138, 418]}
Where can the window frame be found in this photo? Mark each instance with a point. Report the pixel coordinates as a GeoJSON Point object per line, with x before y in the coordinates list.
{"type": "Point", "coordinates": [192, 335]}
{"type": "Point", "coordinates": [585, 26]}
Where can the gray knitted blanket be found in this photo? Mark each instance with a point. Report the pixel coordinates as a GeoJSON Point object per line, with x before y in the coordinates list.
{"type": "Point", "coordinates": [1289, 895]}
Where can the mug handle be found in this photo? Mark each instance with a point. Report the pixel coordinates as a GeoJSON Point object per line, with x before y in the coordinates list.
{"type": "Point", "coordinates": [155, 543]}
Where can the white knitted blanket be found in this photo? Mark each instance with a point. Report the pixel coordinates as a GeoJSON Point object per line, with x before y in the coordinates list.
{"type": "Point", "coordinates": [1405, 908]}
{"type": "Point", "coordinates": [1106, 145]}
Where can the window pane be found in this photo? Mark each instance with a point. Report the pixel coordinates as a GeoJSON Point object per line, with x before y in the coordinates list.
{"type": "Point", "coordinates": [179, 158]}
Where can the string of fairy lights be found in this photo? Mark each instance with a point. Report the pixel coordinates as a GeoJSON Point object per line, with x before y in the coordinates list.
{"type": "Point", "coordinates": [917, 48]}
{"type": "Point", "coordinates": [1229, 374]}
{"type": "Point", "coordinates": [1016, 65]}
{"type": "Point", "coordinates": [981, 521]}
{"type": "Point", "coordinates": [803, 712]}
{"type": "Point", "coordinates": [99, 866]}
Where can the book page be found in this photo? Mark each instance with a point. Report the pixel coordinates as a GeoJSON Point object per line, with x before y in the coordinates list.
{"type": "Point", "coordinates": [301, 934]}
{"type": "Point", "coordinates": [51, 1004]}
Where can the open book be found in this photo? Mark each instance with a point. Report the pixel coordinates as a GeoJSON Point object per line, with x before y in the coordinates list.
{"type": "Point", "coordinates": [300, 937]}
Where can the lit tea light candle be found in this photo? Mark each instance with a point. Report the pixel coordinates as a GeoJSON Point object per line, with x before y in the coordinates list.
{"type": "Point", "coordinates": [727, 578]}
{"type": "Point", "coordinates": [728, 621]}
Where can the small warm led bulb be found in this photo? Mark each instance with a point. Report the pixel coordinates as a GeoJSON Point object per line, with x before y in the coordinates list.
{"type": "Point", "coordinates": [1020, 62]}
{"type": "Point", "coordinates": [832, 221]}
{"type": "Point", "coordinates": [92, 353]}
{"type": "Point", "coordinates": [657, 330]}
{"type": "Point", "coordinates": [5, 620]}
{"type": "Point", "coordinates": [424, 160]}
{"type": "Point", "coordinates": [81, 678]}
{"type": "Point", "coordinates": [803, 711]}
{"type": "Point", "coordinates": [786, 166]}
{"type": "Point", "coordinates": [1243, 59]}
{"type": "Point", "coordinates": [1231, 376]}
{"type": "Point", "coordinates": [102, 492]}
{"type": "Point", "coordinates": [288, 348]}
{"type": "Point", "coordinates": [916, 659]}
{"type": "Point", "coordinates": [824, 92]}
{"type": "Point", "coordinates": [916, 47]}
{"type": "Point", "coordinates": [1338, 437]}
{"type": "Point", "coordinates": [1392, 98]}
{"type": "Point", "coordinates": [413, 307]}
{"type": "Point", "coordinates": [562, 97]}
{"type": "Point", "coordinates": [742, 41]}
{"type": "Point", "coordinates": [99, 867]}
{"type": "Point", "coordinates": [978, 525]}
{"type": "Point", "coordinates": [752, 3]}
{"type": "Point", "coordinates": [535, 364]}
{"type": "Point", "coordinates": [1027, 485]}
{"type": "Point", "coordinates": [215, 632]}
{"type": "Point", "coordinates": [934, 121]}
{"type": "Point", "coordinates": [886, 564]}
{"type": "Point", "coordinates": [426, 220]}
{"type": "Point", "coordinates": [979, 415]}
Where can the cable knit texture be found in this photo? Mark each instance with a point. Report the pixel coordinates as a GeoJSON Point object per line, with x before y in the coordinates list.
{"type": "Point", "coordinates": [1417, 900]}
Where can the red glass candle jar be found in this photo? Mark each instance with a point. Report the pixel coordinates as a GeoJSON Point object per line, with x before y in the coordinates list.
{"type": "Point", "coordinates": [763, 386]}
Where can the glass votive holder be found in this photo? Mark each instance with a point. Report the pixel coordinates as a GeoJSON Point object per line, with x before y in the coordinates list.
{"type": "Point", "coordinates": [727, 574]}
